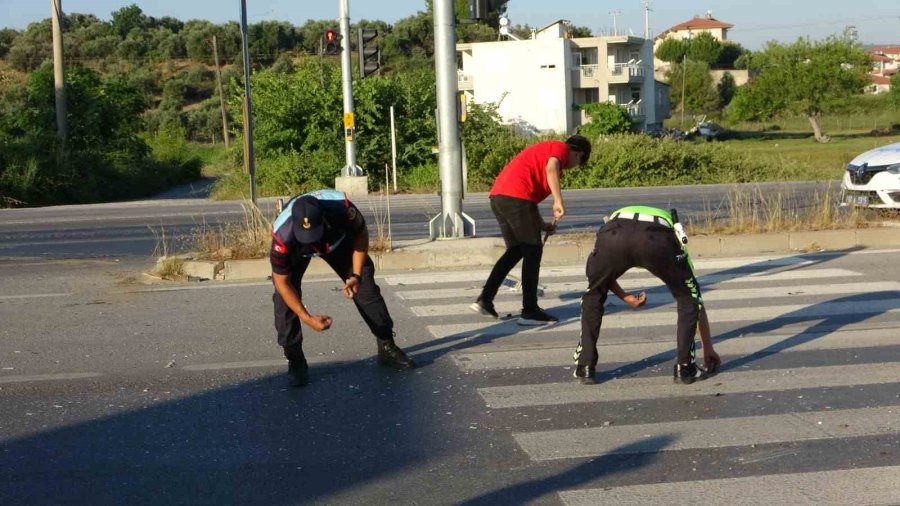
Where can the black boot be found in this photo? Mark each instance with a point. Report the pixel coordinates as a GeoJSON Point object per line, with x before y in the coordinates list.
{"type": "Point", "coordinates": [298, 370]}
{"type": "Point", "coordinates": [585, 374]}
{"type": "Point", "coordinates": [389, 355]}
{"type": "Point", "coordinates": [689, 373]}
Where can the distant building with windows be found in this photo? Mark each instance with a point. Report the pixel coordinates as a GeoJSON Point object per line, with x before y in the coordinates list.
{"type": "Point", "coordinates": [539, 83]}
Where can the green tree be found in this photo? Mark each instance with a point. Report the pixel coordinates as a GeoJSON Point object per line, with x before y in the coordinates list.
{"type": "Point", "coordinates": [129, 18]}
{"type": "Point", "coordinates": [730, 53]}
{"type": "Point", "coordinates": [895, 91]}
{"type": "Point", "coordinates": [672, 50]}
{"type": "Point", "coordinates": [606, 118]}
{"type": "Point", "coordinates": [705, 48]}
{"type": "Point", "coordinates": [32, 48]}
{"type": "Point", "coordinates": [694, 81]}
{"type": "Point", "coordinates": [580, 31]}
{"type": "Point", "coordinates": [7, 36]}
{"type": "Point", "coordinates": [726, 89]}
{"type": "Point", "coordinates": [806, 78]}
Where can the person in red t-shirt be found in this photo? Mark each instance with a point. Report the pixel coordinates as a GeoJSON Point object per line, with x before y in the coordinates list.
{"type": "Point", "coordinates": [528, 179]}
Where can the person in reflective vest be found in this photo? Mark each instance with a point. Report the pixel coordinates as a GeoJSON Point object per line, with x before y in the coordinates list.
{"type": "Point", "coordinates": [326, 224]}
{"type": "Point", "coordinates": [641, 236]}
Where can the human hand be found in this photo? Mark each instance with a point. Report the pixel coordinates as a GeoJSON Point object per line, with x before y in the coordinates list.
{"type": "Point", "coordinates": [351, 287]}
{"type": "Point", "coordinates": [635, 301]}
{"type": "Point", "coordinates": [319, 322]}
{"type": "Point", "coordinates": [711, 360]}
{"type": "Point", "coordinates": [558, 210]}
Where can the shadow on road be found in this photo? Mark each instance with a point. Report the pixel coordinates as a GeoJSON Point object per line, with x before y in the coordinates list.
{"type": "Point", "coordinates": [600, 467]}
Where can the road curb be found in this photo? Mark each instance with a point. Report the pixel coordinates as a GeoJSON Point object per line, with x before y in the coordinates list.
{"type": "Point", "coordinates": [484, 251]}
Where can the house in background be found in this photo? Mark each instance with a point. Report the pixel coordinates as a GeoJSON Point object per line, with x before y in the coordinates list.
{"type": "Point", "coordinates": [539, 83]}
{"type": "Point", "coordinates": [885, 63]}
{"type": "Point", "coordinates": [691, 28]}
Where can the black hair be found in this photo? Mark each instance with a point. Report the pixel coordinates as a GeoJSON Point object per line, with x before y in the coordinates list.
{"type": "Point", "coordinates": [580, 144]}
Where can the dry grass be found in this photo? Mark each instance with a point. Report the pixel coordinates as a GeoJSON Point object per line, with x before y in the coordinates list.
{"type": "Point", "coordinates": [754, 212]}
{"type": "Point", "coordinates": [251, 237]}
{"type": "Point", "coordinates": [170, 268]}
{"type": "Point", "coordinates": [380, 212]}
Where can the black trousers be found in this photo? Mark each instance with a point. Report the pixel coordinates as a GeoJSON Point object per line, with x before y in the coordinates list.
{"type": "Point", "coordinates": [521, 225]}
{"type": "Point", "coordinates": [368, 300]}
{"type": "Point", "coordinates": [622, 244]}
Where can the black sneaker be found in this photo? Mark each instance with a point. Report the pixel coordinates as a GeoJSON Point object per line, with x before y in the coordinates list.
{"type": "Point", "coordinates": [484, 307]}
{"type": "Point", "coordinates": [689, 373]}
{"type": "Point", "coordinates": [537, 317]}
{"type": "Point", "coordinates": [389, 355]}
{"type": "Point", "coordinates": [298, 373]}
{"type": "Point", "coordinates": [585, 374]}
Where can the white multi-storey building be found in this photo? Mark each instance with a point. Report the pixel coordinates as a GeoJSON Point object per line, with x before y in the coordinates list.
{"type": "Point", "coordinates": [540, 83]}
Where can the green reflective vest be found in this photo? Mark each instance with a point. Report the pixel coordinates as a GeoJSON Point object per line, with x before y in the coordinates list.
{"type": "Point", "coordinates": [652, 211]}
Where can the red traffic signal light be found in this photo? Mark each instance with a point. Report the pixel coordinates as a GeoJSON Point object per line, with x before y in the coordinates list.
{"type": "Point", "coordinates": [332, 42]}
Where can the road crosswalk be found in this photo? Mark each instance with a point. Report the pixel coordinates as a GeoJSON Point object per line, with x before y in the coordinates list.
{"type": "Point", "coordinates": [788, 327]}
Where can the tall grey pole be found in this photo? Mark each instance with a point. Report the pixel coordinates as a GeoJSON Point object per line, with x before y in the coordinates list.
{"type": "Point", "coordinates": [451, 222]}
{"type": "Point", "coordinates": [59, 78]}
{"type": "Point", "coordinates": [249, 163]}
{"type": "Point", "coordinates": [351, 169]}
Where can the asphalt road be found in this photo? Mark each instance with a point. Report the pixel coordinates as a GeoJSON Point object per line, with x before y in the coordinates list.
{"type": "Point", "coordinates": [117, 392]}
{"type": "Point", "coordinates": [140, 228]}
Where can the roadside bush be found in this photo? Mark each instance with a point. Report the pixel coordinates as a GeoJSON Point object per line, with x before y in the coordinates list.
{"type": "Point", "coordinates": [638, 160]}
{"type": "Point", "coordinates": [606, 118]}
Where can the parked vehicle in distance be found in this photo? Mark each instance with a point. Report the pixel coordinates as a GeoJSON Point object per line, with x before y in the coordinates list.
{"type": "Point", "coordinates": [872, 179]}
{"type": "Point", "coordinates": [709, 130]}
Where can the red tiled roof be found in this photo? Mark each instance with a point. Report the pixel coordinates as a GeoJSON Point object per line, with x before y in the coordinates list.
{"type": "Point", "coordinates": [890, 72]}
{"type": "Point", "coordinates": [886, 50]}
{"type": "Point", "coordinates": [879, 57]}
{"type": "Point", "coordinates": [699, 23]}
{"type": "Point", "coordinates": [876, 79]}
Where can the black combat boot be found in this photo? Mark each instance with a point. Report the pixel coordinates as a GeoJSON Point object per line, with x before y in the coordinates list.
{"type": "Point", "coordinates": [389, 355]}
{"type": "Point", "coordinates": [585, 374]}
{"type": "Point", "coordinates": [298, 369]}
{"type": "Point", "coordinates": [689, 373]}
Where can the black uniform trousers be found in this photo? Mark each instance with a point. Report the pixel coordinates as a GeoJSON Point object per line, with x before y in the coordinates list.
{"type": "Point", "coordinates": [521, 225]}
{"type": "Point", "coordinates": [625, 243]}
{"type": "Point", "coordinates": [368, 300]}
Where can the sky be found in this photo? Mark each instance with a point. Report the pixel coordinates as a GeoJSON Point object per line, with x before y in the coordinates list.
{"type": "Point", "coordinates": [755, 21]}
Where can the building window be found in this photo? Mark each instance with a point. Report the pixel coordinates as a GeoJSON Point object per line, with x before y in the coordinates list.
{"type": "Point", "coordinates": [635, 94]}
{"type": "Point", "coordinates": [591, 95]}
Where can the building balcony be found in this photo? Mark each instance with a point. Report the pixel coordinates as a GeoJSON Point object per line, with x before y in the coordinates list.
{"type": "Point", "coordinates": [626, 73]}
{"type": "Point", "coordinates": [635, 110]}
{"type": "Point", "coordinates": [465, 82]}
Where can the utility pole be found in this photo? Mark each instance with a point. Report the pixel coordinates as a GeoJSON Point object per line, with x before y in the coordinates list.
{"type": "Point", "coordinates": [615, 16]}
{"type": "Point", "coordinates": [452, 222]}
{"type": "Point", "coordinates": [352, 180]}
{"type": "Point", "coordinates": [221, 94]}
{"type": "Point", "coordinates": [249, 163]}
{"type": "Point", "coordinates": [59, 78]}
{"type": "Point", "coordinates": [646, 18]}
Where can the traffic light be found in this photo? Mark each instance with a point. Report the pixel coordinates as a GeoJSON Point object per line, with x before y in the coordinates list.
{"type": "Point", "coordinates": [332, 42]}
{"type": "Point", "coordinates": [368, 52]}
{"type": "Point", "coordinates": [482, 9]}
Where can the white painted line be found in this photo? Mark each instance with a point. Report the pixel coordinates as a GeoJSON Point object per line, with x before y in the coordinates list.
{"type": "Point", "coordinates": [772, 380]}
{"type": "Point", "coordinates": [630, 283]}
{"type": "Point", "coordinates": [34, 296]}
{"type": "Point", "coordinates": [711, 433]}
{"type": "Point", "coordinates": [276, 362]}
{"type": "Point", "coordinates": [667, 316]}
{"type": "Point", "coordinates": [633, 352]}
{"type": "Point", "coordinates": [665, 297]}
{"type": "Point", "coordinates": [48, 377]}
{"type": "Point", "coordinates": [236, 365]}
{"type": "Point", "coordinates": [873, 485]}
{"type": "Point", "coordinates": [578, 270]}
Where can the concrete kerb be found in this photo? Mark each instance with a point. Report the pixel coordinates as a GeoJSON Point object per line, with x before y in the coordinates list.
{"type": "Point", "coordinates": [560, 250]}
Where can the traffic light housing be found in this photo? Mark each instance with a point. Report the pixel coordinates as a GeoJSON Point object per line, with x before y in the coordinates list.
{"type": "Point", "coordinates": [331, 42]}
{"type": "Point", "coordinates": [482, 9]}
{"type": "Point", "coordinates": [369, 60]}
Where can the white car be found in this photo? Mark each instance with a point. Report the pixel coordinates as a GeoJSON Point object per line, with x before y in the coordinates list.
{"type": "Point", "coordinates": [872, 179]}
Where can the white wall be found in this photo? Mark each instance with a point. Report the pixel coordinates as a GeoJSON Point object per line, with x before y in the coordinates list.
{"type": "Point", "coordinates": [531, 77]}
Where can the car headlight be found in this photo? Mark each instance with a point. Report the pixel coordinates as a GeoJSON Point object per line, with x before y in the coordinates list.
{"type": "Point", "coordinates": [894, 169]}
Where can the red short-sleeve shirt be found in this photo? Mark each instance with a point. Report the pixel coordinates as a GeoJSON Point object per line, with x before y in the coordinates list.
{"type": "Point", "coordinates": [525, 176]}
